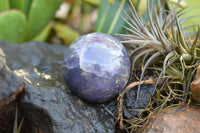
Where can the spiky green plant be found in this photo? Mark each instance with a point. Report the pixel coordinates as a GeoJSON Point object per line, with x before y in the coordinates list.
{"type": "Point", "coordinates": [178, 52]}
{"type": "Point", "coordinates": [165, 44]}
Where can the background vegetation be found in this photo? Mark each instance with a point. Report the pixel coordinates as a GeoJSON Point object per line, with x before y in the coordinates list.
{"type": "Point", "coordinates": [27, 20]}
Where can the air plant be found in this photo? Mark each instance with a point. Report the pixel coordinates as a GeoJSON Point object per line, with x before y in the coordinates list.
{"type": "Point", "coordinates": [164, 43]}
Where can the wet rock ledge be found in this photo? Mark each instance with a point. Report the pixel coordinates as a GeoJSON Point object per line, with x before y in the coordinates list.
{"type": "Point", "coordinates": [47, 105]}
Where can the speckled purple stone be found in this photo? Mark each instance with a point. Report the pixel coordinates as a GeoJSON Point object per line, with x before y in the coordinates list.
{"type": "Point", "coordinates": [96, 67]}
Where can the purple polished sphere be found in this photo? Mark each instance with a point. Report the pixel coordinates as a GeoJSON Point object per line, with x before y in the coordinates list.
{"type": "Point", "coordinates": [96, 67]}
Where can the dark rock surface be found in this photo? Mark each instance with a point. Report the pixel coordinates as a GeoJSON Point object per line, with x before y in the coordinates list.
{"type": "Point", "coordinates": [47, 105]}
{"type": "Point", "coordinates": [7, 79]}
{"type": "Point", "coordinates": [131, 106]}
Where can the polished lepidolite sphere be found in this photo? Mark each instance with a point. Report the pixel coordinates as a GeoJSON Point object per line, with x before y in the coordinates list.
{"type": "Point", "coordinates": [96, 67]}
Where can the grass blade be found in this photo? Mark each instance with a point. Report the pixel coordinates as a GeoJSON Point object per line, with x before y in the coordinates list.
{"type": "Point", "coordinates": [20, 125]}
{"type": "Point", "coordinates": [15, 122]}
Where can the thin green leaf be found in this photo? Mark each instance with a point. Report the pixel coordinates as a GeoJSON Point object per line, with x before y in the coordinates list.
{"type": "Point", "coordinates": [165, 45]}
{"type": "Point", "coordinates": [194, 45]}
{"type": "Point", "coordinates": [142, 52]}
{"type": "Point", "coordinates": [135, 22]}
{"type": "Point", "coordinates": [175, 72]}
{"type": "Point", "coordinates": [154, 56]}
{"type": "Point", "coordinates": [159, 27]}
{"type": "Point", "coordinates": [15, 122]}
{"type": "Point", "coordinates": [128, 36]}
{"type": "Point", "coordinates": [174, 59]}
{"type": "Point", "coordinates": [144, 59]}
{"type": "Point", "coordinates": [169, 55]}
{"type": "Point", "coordinates": [20, 125]}
{"type": "Point", "coordinates": [137, 51]}
{"type": "Point", "coordinates": [181, 37]}
{"type": "Point", "coordinates": [181, 49]}
{"type": "Point", "coordinates": [189, 79]}
{"type": "Point", "coordinates": [135, 16]}
{"type": "Point", "coordinates": [140, 24]}
{"type": "Point", "coordinates": [110, 30]}
{"type": "Point", "coordinates": [133, 26]}
{"type": "Point", "coordinates": [139, 34]}
{"type": "Point", "coordinates": [150, 19]}
{"type": "Point", "coordinates": [136, 42]}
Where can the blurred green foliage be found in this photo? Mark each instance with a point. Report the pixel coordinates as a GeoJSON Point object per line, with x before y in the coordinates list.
{"type": "Point", "coordinates": [26, 20]}
{"type": "Point", "coordinates": [110, 15]}
{"type": "Point", "coordinates": [109, 20]}
{"type": "Point", "coordinates": [22, 20]}
{"type": "Point", "coordinates": [86, 16]}
{"type": "Point", "coordinates": [192, 10]}
{"type": "Point", "coordinates": [190, 13]}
